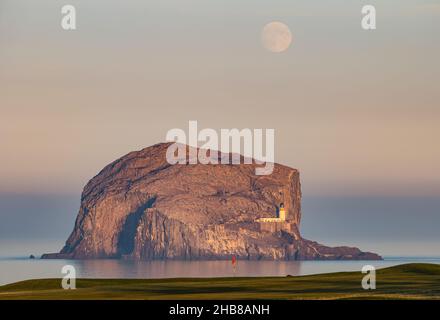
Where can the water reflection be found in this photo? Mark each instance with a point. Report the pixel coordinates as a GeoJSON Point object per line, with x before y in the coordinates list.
{"type": "Point", "coordinates": [176, 269]}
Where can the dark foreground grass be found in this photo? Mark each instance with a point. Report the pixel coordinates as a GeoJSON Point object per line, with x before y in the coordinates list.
{"type": "Point", "coordinates": [408, 281]}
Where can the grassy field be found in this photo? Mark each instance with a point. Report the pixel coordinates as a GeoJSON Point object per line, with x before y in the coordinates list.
{"type": "Point", "coordinates": [409, 281]}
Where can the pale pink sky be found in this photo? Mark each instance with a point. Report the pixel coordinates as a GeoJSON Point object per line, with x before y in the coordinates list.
{"type": "Point", "coordinates": [356, 112]}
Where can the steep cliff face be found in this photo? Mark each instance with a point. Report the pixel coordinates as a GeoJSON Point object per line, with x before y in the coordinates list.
{"type": "Point", "coordinates": [141, 207]}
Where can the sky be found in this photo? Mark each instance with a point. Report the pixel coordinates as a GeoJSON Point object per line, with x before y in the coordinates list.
{"type": "Point", "coordinates": [355, 111]}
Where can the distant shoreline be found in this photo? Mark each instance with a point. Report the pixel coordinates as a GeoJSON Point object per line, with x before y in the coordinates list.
{"type": "Point", "coordinates": [384, 258]}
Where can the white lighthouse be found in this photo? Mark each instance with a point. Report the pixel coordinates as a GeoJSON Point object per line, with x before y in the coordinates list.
{"type": "Point", "coordinates": [280, 218]}
{"type": "Point", "coordinates": [282, 213]}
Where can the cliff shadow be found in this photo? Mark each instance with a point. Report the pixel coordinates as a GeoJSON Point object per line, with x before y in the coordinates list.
{"type": "Point", "coordinates": [126, 237]}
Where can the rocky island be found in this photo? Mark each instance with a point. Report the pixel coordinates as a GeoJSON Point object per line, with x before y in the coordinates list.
{"type": "Point", "coordinates": [141, 207]}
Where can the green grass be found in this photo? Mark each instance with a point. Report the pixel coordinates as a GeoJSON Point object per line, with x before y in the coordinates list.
{"type": "Point", "coordinates": [408, 281]}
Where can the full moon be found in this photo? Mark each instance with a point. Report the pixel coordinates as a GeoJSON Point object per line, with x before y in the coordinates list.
{"type": "Point", "coordinates": [276, 36]}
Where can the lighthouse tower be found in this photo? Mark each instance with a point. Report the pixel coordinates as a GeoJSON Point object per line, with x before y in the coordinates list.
{"type": "Point", "coordinates": [282, 214]}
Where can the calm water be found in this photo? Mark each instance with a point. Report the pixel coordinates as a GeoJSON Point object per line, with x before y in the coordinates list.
{"type": "Point", "coordinates": [16, 269]}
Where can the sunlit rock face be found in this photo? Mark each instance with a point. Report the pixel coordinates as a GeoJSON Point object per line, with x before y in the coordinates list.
{"type": "Point", "coordinates": [140, 207]}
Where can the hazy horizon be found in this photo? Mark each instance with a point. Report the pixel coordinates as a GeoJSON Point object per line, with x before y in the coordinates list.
{"type": "Point", "coordinates": [390, 226]}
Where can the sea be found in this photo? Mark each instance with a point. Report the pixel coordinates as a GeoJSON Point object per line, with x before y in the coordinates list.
{"type": "Point", "coordinates": [14, 269]}
{"type": "Point", "coordinates": [400, 229]}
